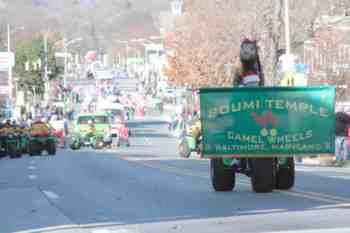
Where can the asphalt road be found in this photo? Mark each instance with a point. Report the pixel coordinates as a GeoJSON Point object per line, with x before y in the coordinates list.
{"type": "Point", "coordinates": [147, 188]}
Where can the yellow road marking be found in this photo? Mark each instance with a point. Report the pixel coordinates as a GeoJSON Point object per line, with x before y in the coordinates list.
{"type": "Point", "coordinates": [336, 198]}
{"type": "Point", "coordinates": [330, 199]}
{"type": "Point", "coordinates": [311, 197]}
{"type": "Point", "coordinates": [175, 170]}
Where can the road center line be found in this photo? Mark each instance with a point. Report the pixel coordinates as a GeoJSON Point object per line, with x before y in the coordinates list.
{"type": "Point", "coordinates": [113, 231]}
{"type": "Point", "coordinates": [311, 197]}
{"type": "Point", "coordinates": [51, 194]}
{"type": "Point", "coordinates": [101, 231]}
{"type": "Point", "coordinates": [32, 177]}
{"type": "Point", "coordinates": [308, 195]}
{"type": "Point", "coordinates": [333, 206]}
{"type": "Point", "coordinates": [325, 198]}
{"type": "Point", "coordinates": [261, 211]}
{"type": "Point", "coordinates": [340, 177]}
{"type": "Point", "coordinates": [341, 199]}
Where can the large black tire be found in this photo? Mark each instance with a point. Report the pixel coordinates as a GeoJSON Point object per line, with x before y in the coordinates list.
{"type": "Point", "coordinates": [263, 174]}
{"type": "Point", "coordinates": [34, 148]}
{"type": "Point", "coordinates": [75, 146]}
{"type": "Point", "coordinates": [223, 178]}
{"type": "Point", "coordinates": [2, 153]}
{"type": "Point", "coordinates": [19, 153]}
{"type": "Point", "coordinates": [114, 143]}
{"type": "Point", "coordinates": [12, 151]}
{"type": "Point", "coordinates": [51, 147]}
{"type": "Point", "coordinates": [98, 144]}
{"type": "Point", "coordinates": [285, 176]}
{"type": "Point", "coordinates": [25, 150]}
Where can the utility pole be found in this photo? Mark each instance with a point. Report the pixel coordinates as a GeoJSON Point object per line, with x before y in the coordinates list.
{"type": "Point", "coordinates": [46, 78]}
{"type": "Point", "coordinates": [65, 62]}
{"type": "Point", "coordinates": [65, 49]}
{"type": "Point", "coordinates": [287, 26]}
{"type": "Point", "coordinates": [10, 68]}
{"type": "Point", "coordinates": [127, 54]}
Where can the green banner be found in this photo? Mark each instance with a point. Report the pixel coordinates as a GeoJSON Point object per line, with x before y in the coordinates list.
{"type": "Point", "coordinates": [269, 120]}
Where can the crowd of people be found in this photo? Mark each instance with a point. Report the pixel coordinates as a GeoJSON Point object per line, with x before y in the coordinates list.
{"type": "Point", "coordinates": [53, 118]}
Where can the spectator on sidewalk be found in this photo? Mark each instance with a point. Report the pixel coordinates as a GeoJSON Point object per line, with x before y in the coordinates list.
{"type": "Point", "coordinates": [342, 125]}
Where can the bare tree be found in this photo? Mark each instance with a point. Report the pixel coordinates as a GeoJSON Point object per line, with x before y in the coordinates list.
{"type": "Point", "coordinates": [330, 59]}
{"type": "Point", "coordinates": [262, 20]}
{"type": "Point", "coordinates": [206, 43]}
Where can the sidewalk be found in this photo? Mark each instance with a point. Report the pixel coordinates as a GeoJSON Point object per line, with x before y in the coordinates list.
{"type": "Point", "coordinates": [324, 160]}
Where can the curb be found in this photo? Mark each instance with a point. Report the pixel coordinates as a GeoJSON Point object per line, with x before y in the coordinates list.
{"type": "Point", "coordinates": [317, 162]}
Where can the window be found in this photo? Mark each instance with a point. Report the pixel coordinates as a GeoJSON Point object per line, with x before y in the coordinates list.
{"type": "Point", "coordinates": [101, 120]}
{"type": "Point", "coordinates": [84, 120]}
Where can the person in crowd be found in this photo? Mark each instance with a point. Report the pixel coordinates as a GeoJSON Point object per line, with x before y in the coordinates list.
{"type": "Point", "coordinates": [342, 125]}
{"type": "Point", "coordinates": [92, 127]}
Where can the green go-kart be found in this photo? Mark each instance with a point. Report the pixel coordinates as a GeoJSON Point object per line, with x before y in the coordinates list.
{"type": "Point", "coordinates": [13, 145]}
{"type": "Point", "coordinates": [259, 131]}
{"type": "Point", "coordinates": [190, 139]}
{"type": "Point", "coordinates": [41, 139]}
{"type": "Point", "coordinates": [83, 134]}
{"type": "Point", "coordinates": [93, 139]}
{"type": "Point", "coordinates": [24, 143]}
{"type": "Point", "coordinates": [40, 143]}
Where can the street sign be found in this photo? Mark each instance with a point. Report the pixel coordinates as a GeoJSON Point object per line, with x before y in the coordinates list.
{"type": "Point", "coordinates": [267, 121]}
{"type": "Point", "coordinates": [7, 60]}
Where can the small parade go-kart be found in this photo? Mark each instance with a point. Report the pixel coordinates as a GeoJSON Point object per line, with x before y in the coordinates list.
{"type": "Point", "coordinates": [120, 134]}
{"type": "Point", "coordinates": [86, 139]}
{"type": "Point", "coordinates": [41, 138]}
{"type": "Point", "coordinates": [259, 131]}
{"type": "Point", "coordinates": [190, 140]}
{"type": "Point", "coordinates": [59, 130]}
{"type": "Point", "coordinates": [91, 130]}
{"type": "Point", "coordinates": [13, 146]}
{"type": "Point", "coordinates": [13, 142]}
